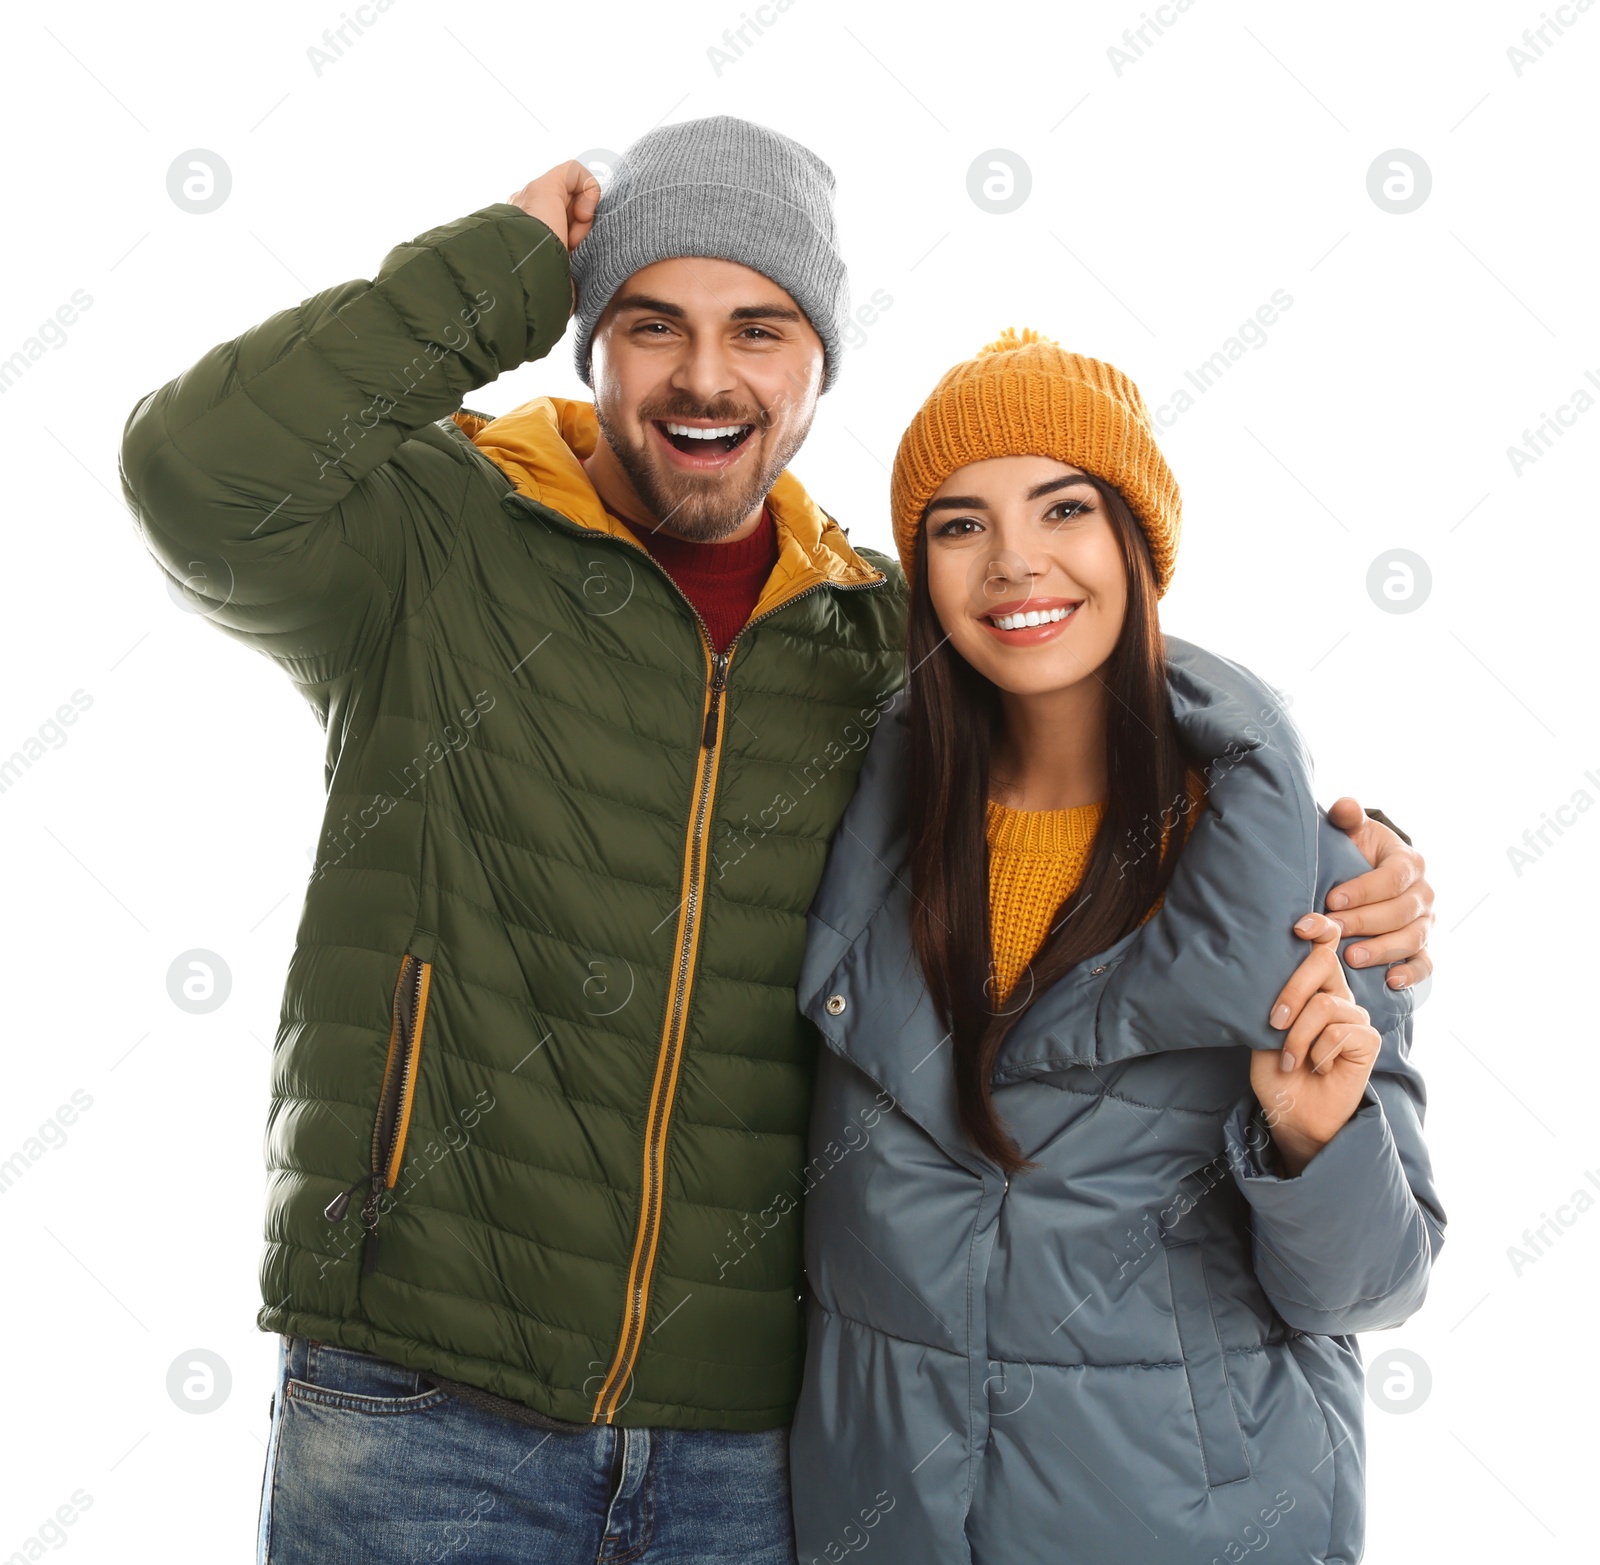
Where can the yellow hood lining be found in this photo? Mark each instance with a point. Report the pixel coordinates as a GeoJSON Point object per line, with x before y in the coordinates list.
{"type": "Point", "coordinates": [541, 447]}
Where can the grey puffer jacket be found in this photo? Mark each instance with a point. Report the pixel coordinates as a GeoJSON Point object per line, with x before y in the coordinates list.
{"type": "Point", "coordinates": [1141, 1351]}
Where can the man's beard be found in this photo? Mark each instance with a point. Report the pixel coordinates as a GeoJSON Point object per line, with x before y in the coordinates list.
{"type": "Point", "coordinates": [701, 508]}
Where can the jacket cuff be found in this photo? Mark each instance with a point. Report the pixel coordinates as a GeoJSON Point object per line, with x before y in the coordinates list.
{"type": "Point", "coordinates": [1342, 1246]}
{"type": "Point", "coordinates": [1258, 1166]}
{"type": "Point", "coordinates": [545, 270]}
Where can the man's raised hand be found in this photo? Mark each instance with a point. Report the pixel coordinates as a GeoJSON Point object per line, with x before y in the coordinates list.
{"type": "Point", "coordinates": [564, 200]}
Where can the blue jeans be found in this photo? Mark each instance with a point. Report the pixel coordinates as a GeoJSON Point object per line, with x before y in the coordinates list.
{"type": "Point", "coordinates": [372, 1464]}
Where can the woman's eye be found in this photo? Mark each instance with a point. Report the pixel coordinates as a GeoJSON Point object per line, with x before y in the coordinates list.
{"type": "Point", "coordinates": [958, 527]}
{"type": "Point", "coordinates": [1066, 510]}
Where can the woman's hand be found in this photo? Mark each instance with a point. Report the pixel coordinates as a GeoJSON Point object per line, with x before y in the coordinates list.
{"type": "Point", "coordinates": [1313, 1084]}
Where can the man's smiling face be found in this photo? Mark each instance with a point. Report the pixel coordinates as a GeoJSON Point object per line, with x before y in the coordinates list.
{"type": "Point", "coordinates": [706, 378]}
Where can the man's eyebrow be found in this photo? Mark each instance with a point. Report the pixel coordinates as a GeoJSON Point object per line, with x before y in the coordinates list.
{"type": "Point", "coordinates": [643, 301]}
{"type": "Point", "coordinates": [746, 312]}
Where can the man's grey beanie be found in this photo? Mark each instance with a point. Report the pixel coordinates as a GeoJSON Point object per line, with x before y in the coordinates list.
{"type": "Point", "coordinates": [727, 189]}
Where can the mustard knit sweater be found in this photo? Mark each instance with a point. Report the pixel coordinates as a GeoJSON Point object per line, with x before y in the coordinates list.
{"type": "Point", "coordinates": [1036, 859]}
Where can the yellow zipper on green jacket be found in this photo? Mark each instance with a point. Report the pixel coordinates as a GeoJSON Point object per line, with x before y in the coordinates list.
{"type": "Point", "coordinates": [663, 1092]}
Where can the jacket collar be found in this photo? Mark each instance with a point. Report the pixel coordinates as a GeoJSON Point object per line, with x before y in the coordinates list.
{"type": "Point", "coordinates": [541, 447]}
{"type": "Point", "coordinates": [1201, 973]}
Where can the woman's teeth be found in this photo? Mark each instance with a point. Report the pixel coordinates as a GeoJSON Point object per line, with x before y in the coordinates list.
{"type": "Point", "coordinates": [1031, 617]}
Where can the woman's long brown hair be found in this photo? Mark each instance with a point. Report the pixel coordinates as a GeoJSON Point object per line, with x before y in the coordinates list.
{"type": "Point", "coordinates": [954, 715]}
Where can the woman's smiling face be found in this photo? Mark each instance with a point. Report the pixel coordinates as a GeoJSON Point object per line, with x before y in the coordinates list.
{"type": "Point", "coordinates": [1025, 572]}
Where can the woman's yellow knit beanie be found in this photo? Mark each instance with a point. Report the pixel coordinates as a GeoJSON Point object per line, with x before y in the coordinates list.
{"type": "Point", "coordinates": [1024, 395]}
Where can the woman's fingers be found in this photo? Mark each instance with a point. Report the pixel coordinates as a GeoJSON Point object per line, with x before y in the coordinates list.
{"type": "Point", "coordinates": [1316, 969]}
{"type": "Point", "coordinates": [1319, 928]}
{"type": "Point", "coordinates": [1352, 1040]}
{"type": "Point", "coordinates": [1322, 1010]}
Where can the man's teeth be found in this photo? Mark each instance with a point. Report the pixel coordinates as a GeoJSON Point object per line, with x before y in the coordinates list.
{"type": "Point", "coordinates": [694, 432]}
{"type": "Point", "coordinates": [1031, 617]}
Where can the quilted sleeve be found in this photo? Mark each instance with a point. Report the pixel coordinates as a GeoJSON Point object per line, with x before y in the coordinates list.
{"type": "Point", "coordinates": [280, 480]}
{"type": "Point", "coordinates": [1349, 1244]}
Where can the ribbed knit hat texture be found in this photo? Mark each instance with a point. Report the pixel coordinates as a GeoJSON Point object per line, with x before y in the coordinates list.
{"type": "Point", "coordinates": [1025, 395]}
{"type": "Point", "coordinates": [727, 189]}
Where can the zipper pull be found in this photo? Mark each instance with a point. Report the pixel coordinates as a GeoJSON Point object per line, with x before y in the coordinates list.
{"type": "Point", "coordinates": [719, 675]}
{"type": "Point", "coordinates": [334, 1211]}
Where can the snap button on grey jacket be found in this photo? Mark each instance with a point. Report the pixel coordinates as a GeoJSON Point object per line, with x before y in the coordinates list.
{"type": "Point", "coordinates": [1143, 1350]}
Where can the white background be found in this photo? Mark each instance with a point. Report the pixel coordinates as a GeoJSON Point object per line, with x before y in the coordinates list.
{"type": "Point", "coordinates": [1168, 202]}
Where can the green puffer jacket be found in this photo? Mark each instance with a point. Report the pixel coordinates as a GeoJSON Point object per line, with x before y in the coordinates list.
{"type": "Point", "coordinates": [540, 1086]}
